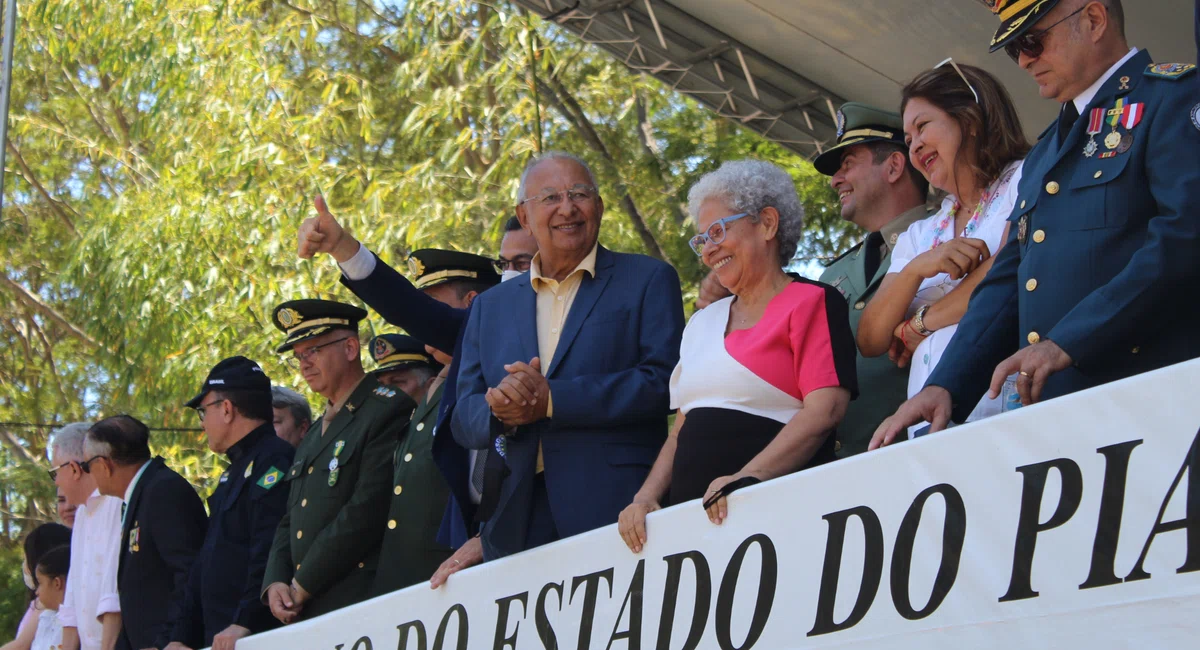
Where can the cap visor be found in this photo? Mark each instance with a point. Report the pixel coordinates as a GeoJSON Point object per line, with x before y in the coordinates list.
{"type": "Point", "coordinates": [195, 401]}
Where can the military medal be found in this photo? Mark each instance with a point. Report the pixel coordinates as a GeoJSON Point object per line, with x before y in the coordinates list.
{"type": "Point", "coordinates": [1113, 139]}
{"type": "Point", "coordinates": [1022, 228]}
{"type": "Point", "coordinates": [333, 462]}
{"type": "Point", "coordinates": [1124, 83]}
{"type": "Point", "coordinates": [1095, 125]}
{"type": "Point", "coordinates": [1130, 117]}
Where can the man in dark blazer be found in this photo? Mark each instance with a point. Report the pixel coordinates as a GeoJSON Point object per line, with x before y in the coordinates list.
{"type": "Point", "coordinates": [565, 370]}
{"type": "Point", "coordinates": [435, 316]}
{"type": "Point", "coordinates": [1104, 234]}
{"type": "Point", "coordinates": [163, 528]}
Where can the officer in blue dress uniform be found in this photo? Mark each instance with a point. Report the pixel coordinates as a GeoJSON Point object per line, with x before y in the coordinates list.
{"type": "Point", "coordinates": [222, 601]}
{"type": "Point", "coordinates": [1105, 229]}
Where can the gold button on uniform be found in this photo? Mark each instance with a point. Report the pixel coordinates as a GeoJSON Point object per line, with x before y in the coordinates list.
{"type": "Point", "coordinates": [297, 567]}
{"type": "Point", "coordinates": [1022, 205]}
{"type": "Point", "coordinates": [1052, 187]}
{"type": "Point", "coordinates": [408, 458]}
{"type": "Point", "coordinates": [1033, 338]}
{"type": "Point", "coordinates": [361, 565]}
{"type": "Point", "coordinates": [1097, 174]}
{"type": "Point", "coordinates": [1039, 236]}
{"type": "Point", "coordinates": [859, 305]}
{"type": "Point", "coordinates": [421, 425]}
{"type": "Point", "coordinates": [303, 503]}
{"type": "Point", "coordinates": [392, 524]}
{"type": "Point", "coordinates": [397, 490]}
{"type": "Point", "coordinates": [1136, 349]}
{"type": "Point", "coordinates": [837, 445]}
{"type": "Point", "coordinates": [310, 470]}
{"type": "Point", "coordinates": [299, 534]}
{"type": "Point", "coordinates": [1031, 284]}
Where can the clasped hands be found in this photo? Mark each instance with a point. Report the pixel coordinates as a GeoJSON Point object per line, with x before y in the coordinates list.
{"type": "Point", "coordinates": [286, 601]}
{"type": "Point", "coordinates": [522, 397]}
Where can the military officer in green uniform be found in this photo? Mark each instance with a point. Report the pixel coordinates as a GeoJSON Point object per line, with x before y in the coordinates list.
{"type": "Point", "coordinates": [419, 493]}
{"type": "Point", "coordinates": [880, 192]}
{"type": "Point", "coordinates": [402, 362]}
{"type": "Point", "coordinates": [327, 547]}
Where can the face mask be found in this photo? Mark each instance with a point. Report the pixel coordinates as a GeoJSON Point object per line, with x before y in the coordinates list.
{"type": "Point", "coordinates": [28, 578]}
{"type": "Point", "coordinates": [509, 274]}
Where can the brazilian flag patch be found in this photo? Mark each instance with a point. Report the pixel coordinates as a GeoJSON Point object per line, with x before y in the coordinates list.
{"type": "Point", "coordinates": [270, 478]}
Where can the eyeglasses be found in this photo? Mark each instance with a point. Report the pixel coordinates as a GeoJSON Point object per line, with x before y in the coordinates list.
{"type": "Point", "coordinates": [519, 263]}
{"type": "Point", "coordinates": [204, 407]}
{"type": "Point", "coordinates": [960, 73]}
{"type": "Point", "coordinates": [1030, 43]}
{"type": "Point", "coordinates": [576, 194]}
{"type": "Point", "coordinates": [54, 472]}
{"type": "Point", "coordinates": [86, 465]}
{"type": "Point", "coordinates": [715, 233]}
{"type": "Point", "coordinates": [298, 358]}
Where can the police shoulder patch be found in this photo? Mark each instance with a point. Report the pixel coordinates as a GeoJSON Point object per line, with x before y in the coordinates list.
{"type": "Point", "coordinates": [1196, 116]}
{"type": "Point", "coordinates": [270, 478]}
{"type": "Point", "coordinates": [1170, 70]}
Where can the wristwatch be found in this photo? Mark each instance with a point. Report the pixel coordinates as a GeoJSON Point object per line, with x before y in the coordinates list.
{"type": "Point", "coordinates": [918, 321]}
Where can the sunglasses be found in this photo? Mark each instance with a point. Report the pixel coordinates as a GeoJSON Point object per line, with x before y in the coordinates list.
{"type": "Point", "coordinates": [54, 472]}
{"type": "Point", "coordinates": [1030, 43]}
{"type": "Point", "coordinates": [86, 465]}
{"type": "Point", "coordinates": [957, 69]}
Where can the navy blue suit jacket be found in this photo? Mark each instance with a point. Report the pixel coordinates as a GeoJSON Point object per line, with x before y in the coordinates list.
{"type": "Point", "coordinates": [1100, 250]}
{"type": "Point", "coordinates": [437, 324]}
{"type": "Point", "coordinates": [608, 384]}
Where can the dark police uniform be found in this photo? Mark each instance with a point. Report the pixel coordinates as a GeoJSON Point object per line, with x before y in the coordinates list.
{"type": "Point", "coordinates": [882, 386]}
{"type": "Point", "coordinates": [411, 553]}
{"type": "Point", "coordinates": [1103, 243]}
{"type": "Point", "coordinates": [244, 511]}
{"type": "Point", "coordinates": [340, 481]}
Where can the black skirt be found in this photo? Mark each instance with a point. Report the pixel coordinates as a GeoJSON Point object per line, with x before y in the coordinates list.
{"type": "Point", "coordinates": [717, 442]}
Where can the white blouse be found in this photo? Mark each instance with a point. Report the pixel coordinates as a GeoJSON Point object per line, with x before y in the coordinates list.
{"type": "Point", "coordinates": [49, 632]}
{"type": "Point", "coordinates": [918, 239]}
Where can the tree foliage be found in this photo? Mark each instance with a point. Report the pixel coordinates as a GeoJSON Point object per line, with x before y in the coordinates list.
{"type": "Point", "coordinates": [162, 154]}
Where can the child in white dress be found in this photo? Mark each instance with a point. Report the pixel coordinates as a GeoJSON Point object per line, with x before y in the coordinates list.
{"type": "Point", "coordinates": [51, 590]}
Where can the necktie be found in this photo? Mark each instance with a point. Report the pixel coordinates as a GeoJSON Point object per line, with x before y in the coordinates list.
{"type": "Point", "coordinates": [1066, 120]}
{"type": "Point", "coordinates": [477, 470]}
{"type": "Point", "coordinates": [873, 250]}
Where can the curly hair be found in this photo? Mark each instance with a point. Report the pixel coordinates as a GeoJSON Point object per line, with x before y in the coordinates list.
{"type": "Point", "coordinates": [749, 186]}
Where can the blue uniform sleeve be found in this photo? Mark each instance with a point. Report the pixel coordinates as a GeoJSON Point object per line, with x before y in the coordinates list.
{"type": "Point", "coordinates": [472, 422]}
{"type": "Point", "coordinates": [267, 506]}
{"type": "Point", "coordinates": [1118, 311]}
{"type": "Point", "coordinates": [392, 296]}
{"type": "Point", "coordinates": [189, 627]}
{"type": "Point", "coordinates": [633, 395]}
{"type": "Point", "coordinates": [986, 335]}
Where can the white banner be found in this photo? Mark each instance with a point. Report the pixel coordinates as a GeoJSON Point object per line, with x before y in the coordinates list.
{"type": "Point", "coordinates": [1072, 524]}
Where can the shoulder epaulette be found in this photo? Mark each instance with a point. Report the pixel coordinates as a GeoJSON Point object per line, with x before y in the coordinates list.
{"type": "Point", "coordinates": [385, 393]}
{"type": "Point", "coordinates": [839, 257]}
{"type": "Point", "coordinates": [1170, 70]}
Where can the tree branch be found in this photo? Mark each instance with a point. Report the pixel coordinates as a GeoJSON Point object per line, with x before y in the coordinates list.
{"type": "Point", "coordinates": [27, 173]}
{"type": "Point", "coordinates": [34, 301]}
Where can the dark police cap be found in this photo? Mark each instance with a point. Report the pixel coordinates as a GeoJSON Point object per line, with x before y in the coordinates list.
{"type": "Point", "coordinates": [1016, 17]}
{"type": "Point", "coordinates": [859, 124]}
{"type": "Point", "coordinates": [433, 266]}
{"type": "Point", "coordinates": [304, 319]}
{"type": "Point", "coordinates": [397, 352]}
{"type": "Point", "coordinates": [234, 373]}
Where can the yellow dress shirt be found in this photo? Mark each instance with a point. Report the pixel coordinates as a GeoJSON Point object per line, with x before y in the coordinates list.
{"type": "Point", "coordinates": [554, 300]}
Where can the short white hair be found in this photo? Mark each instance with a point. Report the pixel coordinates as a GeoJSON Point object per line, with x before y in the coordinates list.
{"type": "Point", "coordinates": [67, 442]}
{"type": "Point", "coordinates": [546, 157]}
{"type": "Point", "coordinates": [750, 186]}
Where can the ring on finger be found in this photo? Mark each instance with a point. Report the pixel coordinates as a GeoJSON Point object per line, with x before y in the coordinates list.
{"type": "Point", "coordinates": [1023, 373]}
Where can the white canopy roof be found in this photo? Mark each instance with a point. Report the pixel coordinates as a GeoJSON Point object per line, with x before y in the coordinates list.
{"type": "Point", "coordinates": [781, 67]}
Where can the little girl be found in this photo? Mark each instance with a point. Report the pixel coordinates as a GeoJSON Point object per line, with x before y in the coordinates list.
{"type": "Point", "coordinates": [51, 589]}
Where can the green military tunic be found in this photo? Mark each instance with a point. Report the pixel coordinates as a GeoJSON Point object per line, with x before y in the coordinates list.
{"type": "Point", "coordinates": [338, 490]}
{"type": "Point", "coordinates": [410, 552]}
{"type": "Point", "coordinates": [882, 387]}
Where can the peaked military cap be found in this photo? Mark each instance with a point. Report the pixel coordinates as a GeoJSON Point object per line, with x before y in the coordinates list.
{"type": "Point", "coordinates": [858, 124]}
{"type": "Point", "coordinates": [234, 373]}
{"type": "Point", "coordinates": [433, 266]}
{"type": "Point", "coordinates": [397, 351]}
{"type": "Point", "coordinates": [1016, 17]}
{"type": "Point", "coordinates": [304, 319]}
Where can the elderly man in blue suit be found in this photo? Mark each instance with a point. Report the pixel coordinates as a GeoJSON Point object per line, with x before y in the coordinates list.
{"type": "Point", "coordinates": [434, 315]}
{"type": "Point", "coordinates": [1104, 235]}
{"type": "Point", "coordinates": [565, 371]}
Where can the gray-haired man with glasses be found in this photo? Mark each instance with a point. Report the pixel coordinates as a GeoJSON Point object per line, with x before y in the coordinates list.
{"type": "Point", "coordinates": [327, 545]}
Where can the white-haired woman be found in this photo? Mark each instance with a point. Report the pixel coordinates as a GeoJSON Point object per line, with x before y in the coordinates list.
{"type": "Point", "coordinates": [765, 375]}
